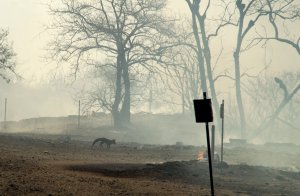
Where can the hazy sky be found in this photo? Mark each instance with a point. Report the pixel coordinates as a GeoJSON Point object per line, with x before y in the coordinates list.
{"type": "Point", "coordinates": [27, 19]}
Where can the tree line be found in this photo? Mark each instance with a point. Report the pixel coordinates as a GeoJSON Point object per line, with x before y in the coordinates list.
{"type": "Point", "coordinates": [137, 52]}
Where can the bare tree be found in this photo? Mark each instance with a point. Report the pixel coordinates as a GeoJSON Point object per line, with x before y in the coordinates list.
{"type": "Point", "coordinates": [269, 101]}
{"type": "Point", "coordinates": [251, 12]}
{"type": "Point", "coordinates": [99, 95]}
{"type": "Point", "coordinates": [182, 76]}
{"type": "Point", "coordinates": [280, 13]}
{"type": "Point", "coordinates": [194, 7]}
{"type": "Point", "coordinates": [199, 12]}
{"type": "Point", "coordinates": [127, 33]}
{"type": "Point", "coordinates": [287, 97]}
{"type": "Point", "coordinates": [7, 57]}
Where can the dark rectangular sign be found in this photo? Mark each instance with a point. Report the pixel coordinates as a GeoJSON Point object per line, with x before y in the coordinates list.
{"type": "Point", "coordinates": [203, 110]}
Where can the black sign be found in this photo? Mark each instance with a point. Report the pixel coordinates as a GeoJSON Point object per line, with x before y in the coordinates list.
{"type": "Point", "coordinates": [203, 110]}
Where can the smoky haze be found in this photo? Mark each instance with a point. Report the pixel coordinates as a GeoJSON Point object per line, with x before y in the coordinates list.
{"type": "Point", "coordinates": [50, 90]}
{"type": "Point", "coordinates": [102, 94]}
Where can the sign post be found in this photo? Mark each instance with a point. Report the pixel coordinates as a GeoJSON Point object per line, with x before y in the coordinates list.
{"type": "Point", "coordinates": [204, 114]}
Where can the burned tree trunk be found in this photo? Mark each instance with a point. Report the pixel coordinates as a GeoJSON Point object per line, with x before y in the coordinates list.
{"type": "Point", "coordinates": [125, 110]}
{"type": "Point", "coordinates": [207, 56]}
{"type": "Point", "coordinates": [199, 48]}
{"type": "Point", "coordinates": [236, 56]}
{"type": "Point", "coordinates": [118, 94]}
{"type": "Point", "coordinates": [239, 92]}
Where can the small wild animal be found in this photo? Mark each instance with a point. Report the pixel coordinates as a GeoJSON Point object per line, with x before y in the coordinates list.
{"type": "Point", "coordinates": [103, 140]}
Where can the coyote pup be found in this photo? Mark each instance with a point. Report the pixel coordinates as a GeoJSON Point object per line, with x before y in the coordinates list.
{"type": "Point", "coordinates": [103, 140]}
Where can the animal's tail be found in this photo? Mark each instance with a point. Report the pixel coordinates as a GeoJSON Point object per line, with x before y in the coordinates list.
{"type": "Point", "coordinates": [94, 142]}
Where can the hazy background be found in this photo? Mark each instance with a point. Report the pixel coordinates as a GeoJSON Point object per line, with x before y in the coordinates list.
{"type": "Point", "coordinates": [43, 90]}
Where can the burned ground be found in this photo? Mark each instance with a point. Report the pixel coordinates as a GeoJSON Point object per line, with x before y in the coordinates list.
{"type": "Point", "coordinates": [41, 165]}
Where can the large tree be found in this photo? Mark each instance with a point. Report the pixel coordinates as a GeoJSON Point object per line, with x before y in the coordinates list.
{"type": "Point", "coordinates": [248, 13]}
{"type": "Point", "coordinates": [125, 33]}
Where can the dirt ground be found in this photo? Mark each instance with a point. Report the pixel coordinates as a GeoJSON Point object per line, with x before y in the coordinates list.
{"type": "Point", "coordinates": [32, 165]}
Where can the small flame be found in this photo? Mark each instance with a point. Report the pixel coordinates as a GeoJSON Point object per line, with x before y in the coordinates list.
{"type": "Point", "coordinates": [201, 155]}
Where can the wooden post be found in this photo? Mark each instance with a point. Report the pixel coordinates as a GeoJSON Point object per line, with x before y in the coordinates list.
{"type": "Point", "coordinates": [78, 114]}
{"type": "Point", "coordinates": [213, 142]}
{"type": "Point", "coordinates": [5, 109]}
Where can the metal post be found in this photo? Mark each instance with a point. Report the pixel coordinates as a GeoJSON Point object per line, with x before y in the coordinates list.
{"type": "Point", "coordinates": [222, 143]}
{"type": "Point", "coordinates": [78, 114]}
{"type": "Point", "coordinates": [213, 142]}
{"type": "Point", "coordinates": [222, 148]}
{"type": "Point", "coordinates": [209, 155]}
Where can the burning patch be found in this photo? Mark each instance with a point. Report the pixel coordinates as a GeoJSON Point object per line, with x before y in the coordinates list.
{"type": "Point", "coordinates": [203, 156]}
